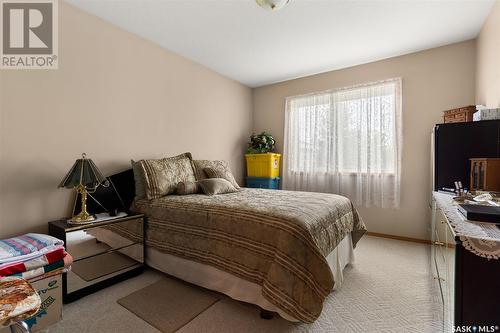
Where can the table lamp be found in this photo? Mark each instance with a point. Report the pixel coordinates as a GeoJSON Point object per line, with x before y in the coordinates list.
{"type": "Point", "coordinates": [84, 177]}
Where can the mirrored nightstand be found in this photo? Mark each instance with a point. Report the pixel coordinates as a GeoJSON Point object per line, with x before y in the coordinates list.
{"type": "Point", "coordinates": [105, 252]}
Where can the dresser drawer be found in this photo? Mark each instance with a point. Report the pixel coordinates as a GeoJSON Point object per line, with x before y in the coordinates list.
{"type": "Point", "coordinates": [441, 227]}
{"type": "Point", "coordinates": [440, 259]}
{"type": "Point", "coordinates": [443, 253]}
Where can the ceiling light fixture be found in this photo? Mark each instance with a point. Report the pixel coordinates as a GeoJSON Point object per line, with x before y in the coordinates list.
{"type": "Point", "coordinates": [272, 4]}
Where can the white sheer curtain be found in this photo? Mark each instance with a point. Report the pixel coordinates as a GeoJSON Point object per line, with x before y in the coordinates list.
{"type": "Point", "coordinates": [346, 141]}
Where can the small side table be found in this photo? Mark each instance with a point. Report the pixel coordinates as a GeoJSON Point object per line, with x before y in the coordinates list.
{"type": "Point", "coordinates": [18, 301]}
{"type": "Point", "coordinates": [104, 252]}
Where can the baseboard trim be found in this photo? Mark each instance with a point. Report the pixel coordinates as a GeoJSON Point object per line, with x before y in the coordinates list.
{"type": "Point", "coordinates": [402, 238]}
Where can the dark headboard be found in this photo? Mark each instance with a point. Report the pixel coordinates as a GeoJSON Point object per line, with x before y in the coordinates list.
{"type": "Point", "coordinates": [124, 185]}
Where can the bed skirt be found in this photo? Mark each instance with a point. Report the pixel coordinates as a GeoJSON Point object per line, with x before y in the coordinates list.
{"type": "Point", "coordinates": [215, 279]}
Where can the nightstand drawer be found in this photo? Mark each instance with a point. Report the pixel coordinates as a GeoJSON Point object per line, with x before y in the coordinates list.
{"type": "Point", "coordinates": [102, 239]}
{"type": "Point", "coordinates": [93, 269]}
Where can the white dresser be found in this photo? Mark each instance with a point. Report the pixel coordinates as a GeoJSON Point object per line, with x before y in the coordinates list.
{"type": "Point", "coordinates": [443, 264]}
{"type": "Point", "coordinates": [466, 265]}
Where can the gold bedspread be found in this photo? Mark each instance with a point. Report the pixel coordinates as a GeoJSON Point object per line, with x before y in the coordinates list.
{"type": "Point", "coordinates": [277, 239]}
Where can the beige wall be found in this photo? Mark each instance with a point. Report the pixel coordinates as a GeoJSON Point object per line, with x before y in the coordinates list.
{"type": "Point", "coordinates": [488, 61]}
{"type": "Point", "coordinates": [115, 96]}
{"type": "Point", "coordinates": [433, 81]}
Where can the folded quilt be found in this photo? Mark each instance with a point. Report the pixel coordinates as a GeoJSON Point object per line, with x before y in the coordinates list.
{"type": "Point", "coordinates": [41, 270]}
{"type": "Point", "coordinates": [30, 264]}
{"type": "Point", "coordinates": [49, 274]}
{"type": "Point", "coordinates": [28, 246]}
{"type": "Point", "coordinates": [31, 274]}
{"type": "Point", "coordinates": [68, 260]}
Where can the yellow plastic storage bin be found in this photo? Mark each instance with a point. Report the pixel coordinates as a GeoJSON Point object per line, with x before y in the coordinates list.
{"type": "Point", "coordinates": [263, 165]}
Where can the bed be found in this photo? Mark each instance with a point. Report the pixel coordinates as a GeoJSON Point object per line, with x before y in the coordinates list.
{"type": "Point", "coordinates": [281, 250]}
{"type": "Point", "coordinates": [284, 251]}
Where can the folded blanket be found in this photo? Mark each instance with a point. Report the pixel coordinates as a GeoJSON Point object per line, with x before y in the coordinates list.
{"type": "Point", "coordinates": [42, 260]}
{"type": "Point", "coordinates": [68, 260]}
{"type": "Point", "coordinates": [63, 263]}
{"type": "Point", "coordinates": [41, 270]}
{"type": "Point", "coordinates": [28, 246]}
{"type": "Point", "coordinates": [49, 274]}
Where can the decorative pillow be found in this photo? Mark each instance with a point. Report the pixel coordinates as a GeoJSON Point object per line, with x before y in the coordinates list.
{"type": "Point", "coordinates": [214, 186]}
{"type": "Point", "coordinates": [140, 187]}
{"type": "Point", "coordinates": [220, 170]}
{"type": "Point", "coordinates": [220, 173]}
{"type": "Point", "coordinates": [184, 188]}
{"type": "Point", "coordinates": [162, 176]}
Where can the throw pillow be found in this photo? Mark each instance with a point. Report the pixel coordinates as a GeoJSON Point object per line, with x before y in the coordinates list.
{"type": "Point", "coordinates": [213, 186]}
{"type": "Point", "coordinates": [162, 176]}
{"type": "Point", "coordinates": [184, 188]}
{"type": "Point", "coordinates": [220, 170]}
{"type": "Point", "coordinates": [140, 187]}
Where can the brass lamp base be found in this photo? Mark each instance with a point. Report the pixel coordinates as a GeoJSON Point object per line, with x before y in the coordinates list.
{"type": "Point", "coordinates": [84, 217]}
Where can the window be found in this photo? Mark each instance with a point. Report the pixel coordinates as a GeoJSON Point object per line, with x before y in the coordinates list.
{"type": "Point", "coordinates": [346, 141]}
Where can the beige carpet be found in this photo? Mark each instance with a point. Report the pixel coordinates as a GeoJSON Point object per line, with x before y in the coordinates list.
{"type": "Point", "coordinates": [388, 289]}
{"type": "Point", "coordinates": [169, 304]}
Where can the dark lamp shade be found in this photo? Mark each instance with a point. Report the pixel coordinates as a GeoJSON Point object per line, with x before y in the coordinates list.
{"type": "Point", "coordinates": [83, 172]}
